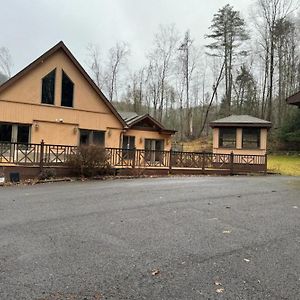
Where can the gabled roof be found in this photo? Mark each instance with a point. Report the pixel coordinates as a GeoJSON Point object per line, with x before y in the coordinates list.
{"type": "Point", "coordinates": [294, 99]}
{"type": "Point", "coordinates": [241, 120]}
{"type": "Point", "coordinates": [127, 116]}
{"type": "Point", "coordinates": [40, 60]}
{"type": "Point", "coordinates": [133, 119]}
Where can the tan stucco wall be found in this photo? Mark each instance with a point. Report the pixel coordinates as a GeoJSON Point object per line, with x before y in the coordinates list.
{"type": "Point", "coordinates": [21, 103]}
{"type": "Point", "coordinates": [141, 135]}
{"type": "Point", "coordinates": [238, 149]}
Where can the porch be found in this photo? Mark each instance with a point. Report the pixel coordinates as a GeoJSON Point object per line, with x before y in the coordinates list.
{"type": "Point", "coordinates": [39, 156]}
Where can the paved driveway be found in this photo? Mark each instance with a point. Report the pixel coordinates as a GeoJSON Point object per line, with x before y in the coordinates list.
{"type": "Point", "coordinates": [164, 238]}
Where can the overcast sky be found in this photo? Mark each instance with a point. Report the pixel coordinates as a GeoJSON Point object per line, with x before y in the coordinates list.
{"type": "Point", "coordinates": [29, 28]}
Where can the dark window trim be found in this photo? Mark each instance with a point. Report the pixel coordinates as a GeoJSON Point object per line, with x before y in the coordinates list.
{"type": "Point", "coordinates": [19, 124]}
{"type": "Point", "coordinates": [53, 88]}
{"type": "Point", "coordinates": [258, 138]}
{"type": "Point", "coordinates": [61, 96]}
{"type": "Point", "coordinates": [91, 135]}
{"type": "Point", "coordinates": [129, 136]}
{"type": "Point", "coordinates": [220, 145]}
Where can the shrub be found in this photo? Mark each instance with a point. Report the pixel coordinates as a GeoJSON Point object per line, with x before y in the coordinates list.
{"type": "Point", "coordinates": [89, 161]}
{"type": "Point", "coordinates": [47, 174]}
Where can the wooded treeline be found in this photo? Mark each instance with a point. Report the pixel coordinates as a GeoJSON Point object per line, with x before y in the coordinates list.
{"type": "Point", "coordinates": [243, 68]}
{"type": "Point", "coordinates": [246, 65]}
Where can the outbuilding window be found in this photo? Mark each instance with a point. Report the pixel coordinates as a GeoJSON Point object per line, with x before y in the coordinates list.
{"type": "Point", "coordinates": [48, 88]}
{"type": "Point", "coordinates": [251, 138]}
{"type": "Point", "coordinates": [227, 137]}
{"type": "Point", "coordinates": [67, 90]}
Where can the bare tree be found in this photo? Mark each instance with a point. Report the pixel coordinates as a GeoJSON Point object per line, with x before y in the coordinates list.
{"type": "Point", "coordinates": [94, 64]}
{"type": "Point", "coordinates": [270, 12]}
{"type": "Point", "coordinates": [188, 59]}
{"type": "Point", "coordinates": [160, 59]}
{"type": "Point", "coordinates": [287, 60]}
{"type": "Point", "coordinates": [215, 88]}
{"type": "Point", "coordinates": [117, 58]}
{"type": "Point", "coordinates": [5, 62]}
{"type": "Point", "coordinates": [135, 90]}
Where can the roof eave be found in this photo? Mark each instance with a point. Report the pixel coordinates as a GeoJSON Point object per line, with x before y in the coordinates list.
{"type": "Point", "coordinates": [294, 99]}
{"type": "Point", "coordinates": [261, 125]}
{"type": "Point", "coordinates": [168, 131]}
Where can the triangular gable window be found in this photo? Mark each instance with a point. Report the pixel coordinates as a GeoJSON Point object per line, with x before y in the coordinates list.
{"type": "Point", "coordinates": [48, 88]}
{"type": "Point", "coordinates": [67, 90]}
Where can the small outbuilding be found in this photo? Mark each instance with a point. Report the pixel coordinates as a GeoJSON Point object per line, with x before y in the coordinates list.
{"type": "Point", "coordinates": [240, 134]}
{"type": "Point", "coordinates": [294, 99]}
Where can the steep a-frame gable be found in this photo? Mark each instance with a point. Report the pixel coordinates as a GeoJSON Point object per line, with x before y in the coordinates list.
{"type": "Point", "coordinates": [26, 86]}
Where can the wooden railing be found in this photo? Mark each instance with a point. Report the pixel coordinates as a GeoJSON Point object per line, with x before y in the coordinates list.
{"type": "Point", "coordinates": [52, 155]}
{"type": "Point", "coordinates": [35, 154]}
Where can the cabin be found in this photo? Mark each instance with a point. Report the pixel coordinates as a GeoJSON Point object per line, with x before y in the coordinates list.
{"type": "Point", "coordinates": [240, 134]}
{"type": "Point", "coordinates": [54, 99]}
{"type": "Point", "coordinates": [294, 99]}
{"type": "Point", "coordinates": [144, 132]}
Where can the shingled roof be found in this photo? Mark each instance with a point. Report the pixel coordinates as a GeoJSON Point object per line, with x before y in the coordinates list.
{"type": "Point", "coordinates": [241, 120]}
{"type": "Point", "coordinates": [294, 99]}
{"type": "Point", "coordinates": [132, 119]}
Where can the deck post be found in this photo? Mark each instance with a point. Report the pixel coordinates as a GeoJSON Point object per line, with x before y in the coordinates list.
{"type": "Point", "coordinates": [170, 161]}
{"type": "Point", "coordinates": [203, 162]}
{"type": "Point", "coordinates": [42, 156]}
{"type": "Point", "coordinates": [231, 163]}
{"type": "Point", "coordinates": [266, 163]}
{"type": "Point", "coordinates": [133, 158]}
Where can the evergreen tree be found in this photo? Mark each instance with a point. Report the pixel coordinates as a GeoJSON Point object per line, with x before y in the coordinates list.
{"type": "Point", "coordinates": [228, 31]}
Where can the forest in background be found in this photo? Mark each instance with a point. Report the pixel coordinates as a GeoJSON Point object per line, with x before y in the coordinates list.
{"type": "Point", "coordinates": [243, 67]}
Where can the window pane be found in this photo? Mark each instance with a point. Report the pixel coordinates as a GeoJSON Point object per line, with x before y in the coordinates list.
{"type": "Point", "coordinates": [98, 138]}
{"type": "Point", "coordinates": [23, 134]}
{"type": "Point", "coordinates": [251, 138]}
{"type": "Point", "coordinates": [84, 137]}
{"type": "Point", "coordinates": [155, 145]}
{"type": "Point", "coordinates": [48, 87]}
{"type": "Point", "coordinates": [67, 88]}
{"type": "Point", "coordinates": [227, 137]}
{"type": "Point", "coordinates": [128, 142]}
{"type": "Point", "coordinates": [159, 145]}
{"type": "Point", "coordinates": [125, 142]}
{"type": "Point", "coordinates": [5, 132]}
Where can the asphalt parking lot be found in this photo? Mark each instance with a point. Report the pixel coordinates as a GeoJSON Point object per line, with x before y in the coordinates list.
{"type": "Point", "coordinates": [155, 238]}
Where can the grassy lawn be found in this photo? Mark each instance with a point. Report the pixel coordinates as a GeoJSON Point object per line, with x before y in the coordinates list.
{"type": "Point", "coordinates": [285, 165]}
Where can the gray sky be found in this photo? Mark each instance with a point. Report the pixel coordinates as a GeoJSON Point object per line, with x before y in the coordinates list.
{"type": "Point", "coordinates": [29, 28]}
